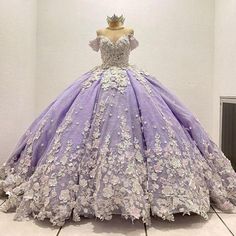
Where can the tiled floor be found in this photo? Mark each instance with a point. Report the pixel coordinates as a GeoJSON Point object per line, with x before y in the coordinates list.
{"type": "Point", "coordinates": [219, 224]}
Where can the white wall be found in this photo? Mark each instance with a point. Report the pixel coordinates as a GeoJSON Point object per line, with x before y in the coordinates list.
{"type": "Point", "coordinates": [225, 56]}
{"type": "Point", "coordinates": [17, 70]}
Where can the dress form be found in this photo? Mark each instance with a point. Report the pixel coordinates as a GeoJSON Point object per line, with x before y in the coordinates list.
{"type": "Point", "coordinates": [114, 31]}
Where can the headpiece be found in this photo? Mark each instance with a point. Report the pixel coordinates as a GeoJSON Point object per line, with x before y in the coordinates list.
{"type": "Point", "coordinates": [115, 18]}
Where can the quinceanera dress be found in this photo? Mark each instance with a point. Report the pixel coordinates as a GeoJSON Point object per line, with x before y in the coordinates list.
{"type": "Point", "coordinates": [116, 141]}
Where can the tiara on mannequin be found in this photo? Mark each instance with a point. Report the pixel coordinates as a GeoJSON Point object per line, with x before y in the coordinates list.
{"type": "Point", "coordinates": [115, 18]}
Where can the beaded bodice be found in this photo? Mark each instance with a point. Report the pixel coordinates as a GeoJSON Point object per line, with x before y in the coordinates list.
{"type": "Point", "coordinates": [114, 53]}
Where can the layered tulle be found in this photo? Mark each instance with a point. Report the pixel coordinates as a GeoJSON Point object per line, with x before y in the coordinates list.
{"type": "Point", "coordinates": [116, 141]}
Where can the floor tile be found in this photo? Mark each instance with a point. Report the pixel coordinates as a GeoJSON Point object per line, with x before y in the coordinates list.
{"type": "Point", "coordinates": [218, 210]}
{"type": "Point", "coordinates": [10, 227]}
{"type": "Point", "coordinates": [230, 221]}
{"type": "Point", "coordinates": [188, 225]}
{"type": "Point", "coordinates": [117, 226]}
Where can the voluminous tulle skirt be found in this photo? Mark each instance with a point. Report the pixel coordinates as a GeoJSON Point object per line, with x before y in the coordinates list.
{"type": "Point", "coordinates": [116, 141]}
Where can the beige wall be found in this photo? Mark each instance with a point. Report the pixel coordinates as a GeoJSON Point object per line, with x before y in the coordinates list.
{"type": "Point", "coordinates": [224, 79]}
{"type": "Point", "coordinates": [17, 70]}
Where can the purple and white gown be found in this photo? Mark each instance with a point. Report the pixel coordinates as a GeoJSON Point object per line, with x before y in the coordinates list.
{"type": "Point", "coordinates": [116, 141]}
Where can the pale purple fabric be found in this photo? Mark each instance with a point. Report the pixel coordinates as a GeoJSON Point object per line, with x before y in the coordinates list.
{"type": "Point", "coordinates": [116, 141]}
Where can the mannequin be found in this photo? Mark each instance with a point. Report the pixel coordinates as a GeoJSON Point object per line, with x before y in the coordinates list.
{"type": "Point", "coordinates": [115, 28]}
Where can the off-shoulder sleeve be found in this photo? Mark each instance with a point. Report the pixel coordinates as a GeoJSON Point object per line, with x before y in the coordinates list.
{"type": "Point", "coordinates": [133, 42]}
{"type": "Point", "coordinates": [94, 44]}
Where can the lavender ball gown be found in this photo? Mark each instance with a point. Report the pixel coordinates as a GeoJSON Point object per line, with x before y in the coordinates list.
{"type": "Point", "coordinates": [116, 141]}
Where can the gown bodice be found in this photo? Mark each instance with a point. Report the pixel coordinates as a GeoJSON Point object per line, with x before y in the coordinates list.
{"type": "Point", "coordinates": [114, 53]}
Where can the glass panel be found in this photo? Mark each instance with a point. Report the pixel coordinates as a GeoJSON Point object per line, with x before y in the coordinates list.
{"type": "Point", "coordinates": [229, 132]}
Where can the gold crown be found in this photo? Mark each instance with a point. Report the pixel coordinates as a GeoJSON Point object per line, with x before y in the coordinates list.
{"type": "Point", "coordinates": [115, 18]}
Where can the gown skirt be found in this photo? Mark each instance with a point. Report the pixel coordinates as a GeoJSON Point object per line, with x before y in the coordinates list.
{"type": "Point", "coordinates": [116, 141]}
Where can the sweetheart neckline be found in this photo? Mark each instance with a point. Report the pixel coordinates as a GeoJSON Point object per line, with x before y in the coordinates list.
{"type": "Point", "coordinates": [114, 43]}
